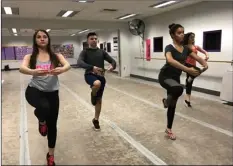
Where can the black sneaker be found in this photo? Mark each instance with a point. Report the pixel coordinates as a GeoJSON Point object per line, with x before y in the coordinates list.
{"type": "Point", "coordinates": [164, 103]}
{"type": "Point", "coordinates": [96, 124]}
{"type": "Point", "coordinates": [93, 99]}
{"type": "Point", "coordinates": [50, 159]}
{"type": "Point", "coordinates": [187, 103]}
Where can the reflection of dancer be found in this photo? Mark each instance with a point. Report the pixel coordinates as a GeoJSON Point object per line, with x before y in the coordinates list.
{"type": "Point", "coordinates": [92, 59]}
{"type": "Point", "coordinates": [169, 76]}
{"type": "Point", "coordinates": [189, 40]}
{"type": "Point", "coordinates": [42, 91]}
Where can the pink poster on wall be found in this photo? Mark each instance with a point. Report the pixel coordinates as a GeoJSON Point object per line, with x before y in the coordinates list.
{"type": "Point", "coordinates": [148, 57]}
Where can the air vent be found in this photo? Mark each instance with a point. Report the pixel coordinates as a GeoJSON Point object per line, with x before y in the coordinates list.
{"type": "Point", "coordinates": [109, 10]}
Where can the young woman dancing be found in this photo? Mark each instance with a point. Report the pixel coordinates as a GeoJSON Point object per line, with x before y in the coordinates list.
{"type": "Point", "coordinates": [42, 91]}
{"type": "Point", "coordinates": [169, 76]}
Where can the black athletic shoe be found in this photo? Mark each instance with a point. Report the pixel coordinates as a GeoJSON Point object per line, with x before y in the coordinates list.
{"type": "Point", "coordinates": [93, 99]}
{"type": "Point", "coordinates": [164, 103]}
{"type": "Point", "coordinates": [187, 103]}
{"type": "Point", "coordinates": [50, 159]}
{"type": "Point", "coordinates": [96, 124]}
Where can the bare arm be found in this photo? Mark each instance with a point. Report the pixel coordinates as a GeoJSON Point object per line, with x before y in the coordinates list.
{"type": "Point", "coordinates": [24, 68]}
{"type": "Point", "coordinates": [110, 60]}
{"type": "Point", "coordinates": [64, 62]}
{"type": "Point", "coordinates": [200, 60]}
{"type": "Point", "coordinates": [201, 50]}
{"type": "Point", "coordinates": [175, 63]}
{"type": "Point", "coordinates": [204, 52]}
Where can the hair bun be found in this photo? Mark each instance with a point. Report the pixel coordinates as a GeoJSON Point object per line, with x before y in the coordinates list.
{"type": "Point", "coordinates": [171, 25]}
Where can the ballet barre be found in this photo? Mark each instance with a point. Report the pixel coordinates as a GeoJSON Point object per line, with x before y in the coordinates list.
{"type": "Point", "coordinates": [150, 58]}
{"type": "Point", "coordinates": [207, 61]}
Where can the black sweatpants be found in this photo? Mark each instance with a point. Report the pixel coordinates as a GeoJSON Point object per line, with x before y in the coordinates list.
{"type": "Point", "coordinates": [174, 91]}
{"type": "Point", "coordinates": [188, 82]}
{"type": "Point", "coordinates": [46, 106]}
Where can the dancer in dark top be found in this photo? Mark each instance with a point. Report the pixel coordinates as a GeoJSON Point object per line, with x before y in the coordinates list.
{"type": "Point", "coordinates": [169, 76]}
{"type": "Point", "coordinates": [92, 59]}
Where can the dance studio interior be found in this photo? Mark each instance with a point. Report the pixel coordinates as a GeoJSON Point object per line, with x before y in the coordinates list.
{"type": "Point", "coordinates": [122, 92]}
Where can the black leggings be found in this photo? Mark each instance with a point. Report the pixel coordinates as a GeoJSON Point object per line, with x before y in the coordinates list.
{"type": "Point", "coordinates": [46, 106]}
{"type": "Point", "coordinates": [174, 91]}
{"type": "Point", "coordinates": [189, 79]}
{"type": "Point", "coordinates": [189, 84]}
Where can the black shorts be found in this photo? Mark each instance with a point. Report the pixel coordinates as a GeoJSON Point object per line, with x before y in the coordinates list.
{"type": "Point", "coordinates": [90, 78]}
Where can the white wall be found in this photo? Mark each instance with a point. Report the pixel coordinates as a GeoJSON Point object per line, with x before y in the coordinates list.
{"type": "Point", "coordinates": [129, 48]}
{"type": "Point", "coordinates": [197, 18]}
{"type": "Point", "coordinates": [107, 37]}
{"type": "Point", "coordinates": [27, 41]}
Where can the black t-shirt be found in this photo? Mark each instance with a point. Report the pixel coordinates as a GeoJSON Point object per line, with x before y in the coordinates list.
{"type": "Point", "coordinates": [170, 70]}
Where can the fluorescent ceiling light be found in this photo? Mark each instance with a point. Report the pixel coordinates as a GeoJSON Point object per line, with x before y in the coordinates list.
{"type": "Point", "coordinates": [67, 13]}
{"type": "Point", "coordinates": [15, 34]}
{"type": "Point", "coordinates": [84, 1]}
{"type": "Point", "coordinates": [14, 30]}
{"type": "Point", "coordinates": [164, 4]}
{"type": "Point", "coordinates": [8, 10]}
{"type": "Point", "coordinates": [84, 31]}
{"type": "Point", "coordinates": [127, 16]}
{"type": "Point", "coordinates": [72, 35]}
{"type": "Point", "coordinates": [48, 30]}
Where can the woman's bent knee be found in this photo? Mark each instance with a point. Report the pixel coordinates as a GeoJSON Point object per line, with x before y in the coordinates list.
{"type": "Point", "coordinates": [177, 91]}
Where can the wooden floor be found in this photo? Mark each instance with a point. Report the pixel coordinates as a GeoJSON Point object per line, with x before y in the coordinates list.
{"type": "Point", "coordinates": [133, 122]}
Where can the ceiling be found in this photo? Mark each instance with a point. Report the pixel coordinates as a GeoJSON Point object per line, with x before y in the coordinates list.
{"type": "Point", "coordinates": [30, 32]}
{"type": "Point", "coordinates": [53, 32]}
{"type": "Point", "coordinates": [43, 13]}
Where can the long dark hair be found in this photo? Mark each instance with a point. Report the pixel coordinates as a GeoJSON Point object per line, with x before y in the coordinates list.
{"type": "Point", "coordinates": [186, 38]}
{"type": "Point", "coordinates": [53, 57]}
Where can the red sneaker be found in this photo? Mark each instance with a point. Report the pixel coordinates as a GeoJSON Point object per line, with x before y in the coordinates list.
{"type": "Point", "coordinates": [43, 129]}
{"type": "Point", "coordinates": [50, 159]}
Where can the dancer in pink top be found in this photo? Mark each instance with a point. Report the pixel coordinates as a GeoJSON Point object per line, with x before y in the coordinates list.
{"type": "Point", "coordinates": [189, 40]}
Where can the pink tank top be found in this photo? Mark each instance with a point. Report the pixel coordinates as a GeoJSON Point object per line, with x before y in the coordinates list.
{"type": "Point", "coordinates": [190, 60]}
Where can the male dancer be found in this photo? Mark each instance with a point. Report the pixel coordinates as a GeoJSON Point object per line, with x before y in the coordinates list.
{"type": "Point", "coordinates": [92, 59]}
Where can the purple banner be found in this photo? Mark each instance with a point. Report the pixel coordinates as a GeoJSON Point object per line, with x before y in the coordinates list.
{"type": "Point", "coordinates": [9, 53]}
{"type": "Point", "coordinates": [20, 52]}
{"type": "Point", "coordinates": [3, 54]}
{"type": "Point", "coordinates": [29, 50]}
